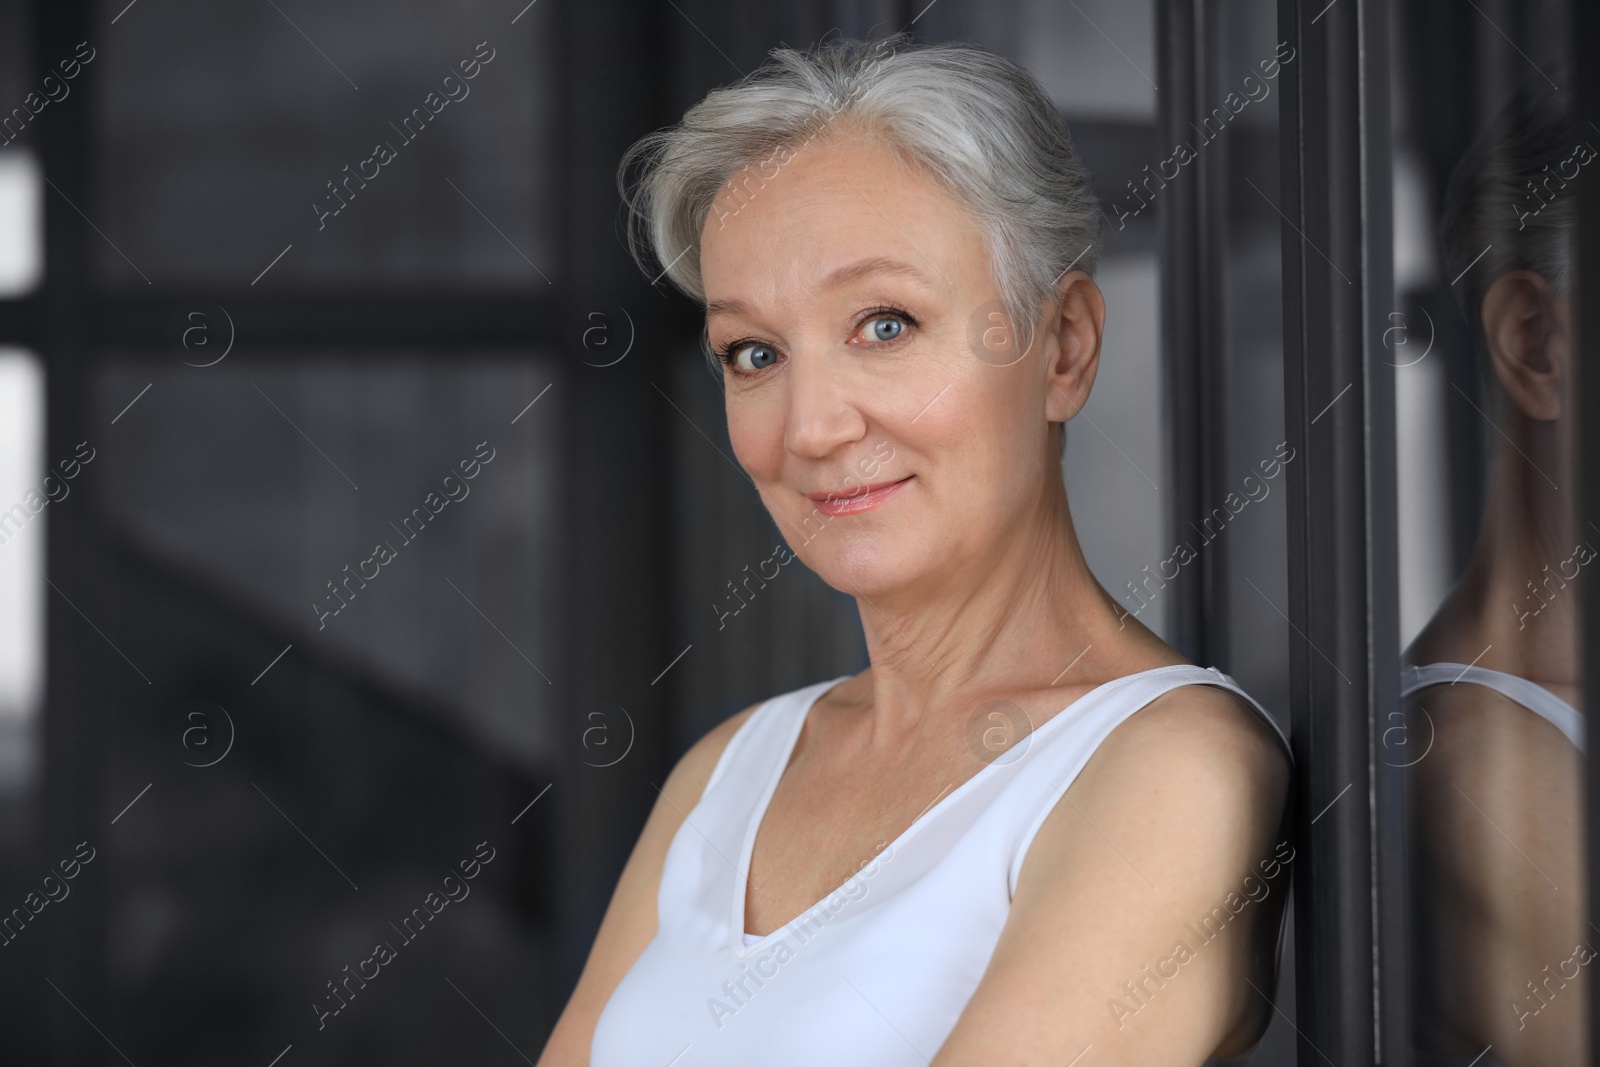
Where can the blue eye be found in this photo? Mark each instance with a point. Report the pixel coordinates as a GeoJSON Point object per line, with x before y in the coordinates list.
{"type": "Point", "coordinates": [761, 357]}
{"type": "Point", "coordinates": [884, 324]}
{"type": "Point", "coordinates": [885, 328]}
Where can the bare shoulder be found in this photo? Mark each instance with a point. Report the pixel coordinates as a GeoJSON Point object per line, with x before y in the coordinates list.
{"type": "Point", "coordinates": [1171, 823]}
{"type": "Point", "coordinates": [1196, 774]}
{"type": "Point", "coordinates": [1206, 734]}
{"type": "Point", "coordinates": [630, 919]}
{"type": "Point", "coordinates": [693, 770]}
{"type": "Point", "coordinates": [1487, 772]}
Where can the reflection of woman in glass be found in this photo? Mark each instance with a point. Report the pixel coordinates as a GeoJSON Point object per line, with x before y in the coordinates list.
{"type": "Point", "coordinates": [1029, 828]}
{"type": "Point", "coordinates": [1495, 678]}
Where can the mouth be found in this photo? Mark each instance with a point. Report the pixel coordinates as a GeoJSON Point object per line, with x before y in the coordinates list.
{"type": "Point", "coordinates": [861, 499]}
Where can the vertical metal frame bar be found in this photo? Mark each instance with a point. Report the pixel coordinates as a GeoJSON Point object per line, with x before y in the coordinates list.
{"type": "Point", "coordinates": [1191, 333]}
{"type": "Point", "coordinates": [1339, 415]}
{"type": "Point", "coordinates": [616, 479]}
{"type": "Point", "coordinates": [75, 694]}
{"type": "Point", "coordinates": [1585, 16]}
{"type": "Point", "coordinates": [1180, 296]}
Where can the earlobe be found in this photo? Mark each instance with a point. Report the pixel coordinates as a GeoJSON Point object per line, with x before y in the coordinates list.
{"type": "Point", "coordinates": [1068, 382]}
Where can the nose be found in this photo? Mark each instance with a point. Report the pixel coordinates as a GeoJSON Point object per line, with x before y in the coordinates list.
{"type": "Point", "coordinates": [820, 414]}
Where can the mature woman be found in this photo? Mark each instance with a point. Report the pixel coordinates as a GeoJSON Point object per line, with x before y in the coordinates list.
{"type": "Point", "coordinates": [974, 852]}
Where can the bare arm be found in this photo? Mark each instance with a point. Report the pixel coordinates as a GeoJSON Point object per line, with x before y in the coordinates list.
{"type": "Point", "coordinates": [629, 924]}
{"type": "Point", "coordinates": [1498, 810]}
{"type": "Point", "coordinates": [1166, 839]}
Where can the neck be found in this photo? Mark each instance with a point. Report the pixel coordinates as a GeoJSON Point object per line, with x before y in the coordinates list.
{"type": "Point", "coordinates": [1518, 602]}
{"type": "Point", "coordinates": [1011, 619]}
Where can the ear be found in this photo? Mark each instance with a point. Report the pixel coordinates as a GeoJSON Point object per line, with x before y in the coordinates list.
{"type": "Point", "coordinates": [1072, 354]}
{"type": "Point", "coordinates": [1527, 342]}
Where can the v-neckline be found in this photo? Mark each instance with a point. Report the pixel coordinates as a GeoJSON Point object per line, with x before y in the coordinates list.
{"type": "Point", "coordinates": [758, 816]}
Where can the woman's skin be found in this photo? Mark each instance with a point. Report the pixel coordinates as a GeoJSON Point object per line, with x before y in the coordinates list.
{"type": "Point", "coordinates": [972, 588]}
{"type": "Point", "coordinates": [1497, 801]}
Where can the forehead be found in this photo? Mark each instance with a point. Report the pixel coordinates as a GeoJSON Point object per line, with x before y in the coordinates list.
{"type": "Point", "coordinates": [840, 209]}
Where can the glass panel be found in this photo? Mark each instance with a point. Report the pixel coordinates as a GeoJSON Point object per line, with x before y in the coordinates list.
{"type": "Point", "coordinates": [25, 496]}
{"type": "Point", "coordinates": [320, 639]}
{"type": "Point", "coordinates": [1492, 558]}
{"type": "Point", "coordinates": [1095, 59]}
{"type": "Point", "coordinates": [386, 513]}
{"type": "Point", "coordinates": [21, 222]}
{"type": "Point", "coordinates": [1246, 522]}
{"type": "Point", "coordinates": [1245, 528]}
{"type": "Point", "coordinates": [363, 143]}
{"type": "Point", "coordinates": [15, 70]}
{"type": "Point", "coordinates": [20, 210]}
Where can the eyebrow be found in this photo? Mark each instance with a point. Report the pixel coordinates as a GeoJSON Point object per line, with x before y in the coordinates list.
{"type": "Point", "coordinates": [849, 273]}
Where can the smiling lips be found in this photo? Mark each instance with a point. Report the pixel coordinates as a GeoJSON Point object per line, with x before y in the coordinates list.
{"type": "Point", "coordinates": [863, 499]}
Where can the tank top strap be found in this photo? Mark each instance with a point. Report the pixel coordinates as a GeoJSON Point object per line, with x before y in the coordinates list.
{"type": "Point", "coordinates": [1536, 698]}
{"type": "Point", "coordinates": [764, 737]}
{"type": "Point", "coordinates": [1066, 742]}
{"type": "Point", "coordinates": [1108, 705]}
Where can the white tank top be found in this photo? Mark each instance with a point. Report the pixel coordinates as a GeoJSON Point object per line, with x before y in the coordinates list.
{"type": "Point", "coordinates": [1534, 697]}
{"type": "Point", "coordinates": [878, 971]}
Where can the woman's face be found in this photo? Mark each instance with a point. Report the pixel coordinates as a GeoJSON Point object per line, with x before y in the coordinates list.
{"type": "Point", "coordinates": [867, 351]}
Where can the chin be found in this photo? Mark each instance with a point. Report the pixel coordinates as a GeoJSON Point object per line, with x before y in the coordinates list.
{"type": "Point", "coordinates": [866, 564]}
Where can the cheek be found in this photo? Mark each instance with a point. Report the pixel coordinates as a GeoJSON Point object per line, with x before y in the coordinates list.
{"type": "Point", "coordinates": [998, 450]}
{"type": "Point", "coordinates": [756, 433]}
{"type": "Point", "coordinates": [985, 426]}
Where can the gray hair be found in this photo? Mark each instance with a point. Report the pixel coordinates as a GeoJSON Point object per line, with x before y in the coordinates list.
{"type": "Point", "coordinates": [1492, 211]}
{"type": "Point", "coordinates": [1491, 200]}
{"type": "Point", "coordinates": [979, 122]}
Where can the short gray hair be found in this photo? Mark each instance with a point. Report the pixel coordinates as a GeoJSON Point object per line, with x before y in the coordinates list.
{"type": "Point", "coordinates": [979, 122]}
{"type": "Point", "coordinates": [1488, 201]}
